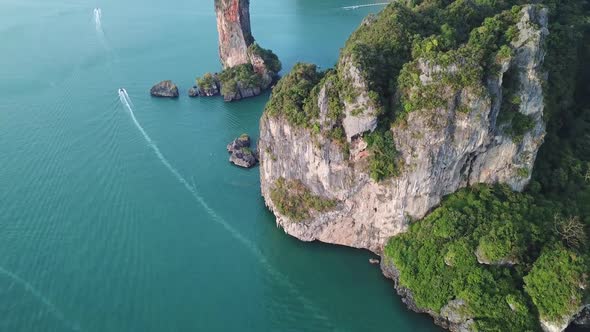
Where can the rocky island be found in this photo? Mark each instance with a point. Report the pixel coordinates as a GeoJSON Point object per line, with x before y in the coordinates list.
{"type": "Point", "coordinates": [421, 145]}
{"type": "Point", "coordinates": [248, 69]}
{"type": "Point", "coordinates": [164, 89]}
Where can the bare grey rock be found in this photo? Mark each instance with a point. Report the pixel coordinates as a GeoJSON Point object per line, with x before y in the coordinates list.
{"type": "Point", "coordinates": [456, 312]}
{"type": "Point", "coordinates": [243, 91]}
{"type": "Point", "coordinates": [165, 89]}
{"type": "Point", "coordinates": [580, 317]}
{"type": "Point", "coordinates": [360, 115]}
{"type": "Point", "coordinates": [583, 317]}
{"type": "Point", "coordinates": [505, 261]}
{"type": "Point", "coordinates": [243, 157]}
{"type": "Point", "coordinates": [241, 142]}
{"type": "Point", "coordinates": [505, 158]}
{"type": "Point", "coordinates": [240, 152]}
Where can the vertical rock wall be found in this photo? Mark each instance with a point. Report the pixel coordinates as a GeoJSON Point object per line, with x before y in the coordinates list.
{"type": "Point", "coordinates": [235, 33]}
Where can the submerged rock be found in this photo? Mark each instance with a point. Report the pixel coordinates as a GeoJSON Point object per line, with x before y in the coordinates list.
{"type": "Point", "coordinates": [241, 154]}
{"type": "Point", "coordinates": [165, 89]}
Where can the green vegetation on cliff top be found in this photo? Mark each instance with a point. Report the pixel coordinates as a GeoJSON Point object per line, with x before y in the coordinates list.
{"type": "Point", "coordinates": [388, 48]}
{"type": "Point", "coordinates": [290, 93]}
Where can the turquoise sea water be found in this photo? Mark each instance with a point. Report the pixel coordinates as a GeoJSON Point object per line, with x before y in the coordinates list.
{"type": "Point", "coordinates": [100, 233]}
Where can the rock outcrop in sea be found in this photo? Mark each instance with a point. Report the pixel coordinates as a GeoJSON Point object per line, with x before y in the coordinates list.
{"type": "Point", "coordinates": [241, 153]}
{"type": "Point", "coordinates": [248, 69]}
{"type": "Point", "coordinates": [165, 89]}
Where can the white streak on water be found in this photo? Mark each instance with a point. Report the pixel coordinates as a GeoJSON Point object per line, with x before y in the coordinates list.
{"type": "Point", "coordinates": [97, 19]}
{"type": "Point", "coordinates": [98, 25]}
{"type": "Point", "coordinates": [42, 299]}
{"type": "Point", "coordinates": [367, 5]}
{"type": "Point", "coordinates": [126, 101]}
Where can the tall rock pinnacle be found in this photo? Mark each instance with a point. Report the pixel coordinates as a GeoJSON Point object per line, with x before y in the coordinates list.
{"type": "Point", "coordinates": [248, 69]}
{"type": "Point", "coordinates": [235, 34]}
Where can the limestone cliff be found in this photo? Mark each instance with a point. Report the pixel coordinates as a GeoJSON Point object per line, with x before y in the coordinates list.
{"type": "Point", "coordinates": [454, 127]}
{"type": "Point", "coordinates": [248, 69]}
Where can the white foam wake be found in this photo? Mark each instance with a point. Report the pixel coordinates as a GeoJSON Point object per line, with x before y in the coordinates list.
{"type": "Point", "coordinates": [366, 5]}
{"type": "Point", "coordinates": [99, 30]}
{"type": "Point", "coordinates": [37, 295]}
{"type": "Point", "coordinates": [98, 19]}
{"type": "Point", "coordinates": [126, 101]}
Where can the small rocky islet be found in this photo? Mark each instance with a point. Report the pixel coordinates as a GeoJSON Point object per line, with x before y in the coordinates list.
{"type": "Point", "coordinates": [241, 153]}
{"type": "Point", "coordinates": [165, 89]}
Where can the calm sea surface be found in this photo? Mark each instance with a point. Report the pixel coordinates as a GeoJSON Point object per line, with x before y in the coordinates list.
{"type": "Point", "coordinates": [107, 224]}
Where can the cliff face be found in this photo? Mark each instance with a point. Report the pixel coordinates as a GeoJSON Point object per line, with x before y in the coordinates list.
{"type": "Point", "coordinates": [460, 141]}
{"type": "Point", "coordinates": [235, 33]}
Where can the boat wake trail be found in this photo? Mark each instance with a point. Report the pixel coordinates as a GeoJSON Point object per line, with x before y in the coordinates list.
{"type": "Point", "coordinates": [97, 19]}
{"type": "Point", "coordinates": [126, 101]}
{"type": "Point", "coordinates": [37, 295]}
{"type": "Point", "coordinates": [98, 26]}
{"type": "Point", "coordinates": [367, 5]}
